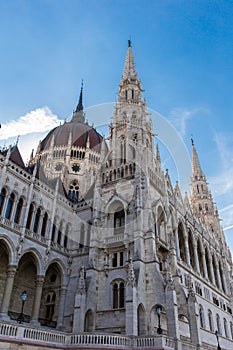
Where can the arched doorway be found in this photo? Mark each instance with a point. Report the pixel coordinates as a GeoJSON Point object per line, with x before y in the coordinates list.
{"type": "Point", "coordinates": [4, 261]}
{"type": "Point", "coordinates": [89, 321]}
{"type": "Point", "coordinates": [141, 320]}
{"type": "Point", "coordinates": [25, 279]}
{"type": "Point", "coordinates": [50, 296]}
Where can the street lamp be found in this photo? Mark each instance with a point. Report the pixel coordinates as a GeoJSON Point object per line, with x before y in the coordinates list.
{"type": "Point", "coordinates": [24, 298]}
{"type": "Point", "coordinates": [158, 311]}
{"type": "Point", "coordinates": [219, 347]}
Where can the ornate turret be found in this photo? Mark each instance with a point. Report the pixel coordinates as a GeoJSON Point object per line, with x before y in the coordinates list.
{"type": "Point", "coordinates": [201, 198]}
{"type": "Point", "coordinates": [131, 132]}
{"type": "Point", "coordinates": [130, 85]}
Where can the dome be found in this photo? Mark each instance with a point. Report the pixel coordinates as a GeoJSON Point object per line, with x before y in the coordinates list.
{"type": "Point", "coordinates": [79, 133]}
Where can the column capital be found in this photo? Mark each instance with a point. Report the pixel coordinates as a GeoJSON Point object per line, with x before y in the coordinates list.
{"type": "Point", "coordinates": [11, 270]}
{"type": "Point", "coordinates": [40, 280]}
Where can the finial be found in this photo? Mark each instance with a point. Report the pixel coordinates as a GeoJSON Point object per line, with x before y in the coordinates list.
{"type": "Point", "coordinates": [192, 140]}
{"type": "Point", "coordinates": [17, 140]}
{"type": "Point", "coordinates": [129, 43]}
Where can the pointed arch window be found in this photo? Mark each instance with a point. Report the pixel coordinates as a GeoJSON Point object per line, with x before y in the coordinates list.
{"type": "Point", "coordinates": [37, 220]}
{"type": "Point", "coordinates": [210, 318]}
{"type": "Point", "coordinates": [18, 210]}
{"type": "Point", "coordinates": [118, 295]}
{"type": "Point", "coordinates": [50, 306]}
{"type": "Point", "coordinates": [191, 250]}
{"type": "Point", "coordinates": [2, 199]}
{"type": "Point", "coordinates": [181, 242]}
{"type": "Point", "coordinates": [10, 206]}
{"type": "Point", "coordinates": [44, 224]}
{"type": "Point", "coordinates": [73, 193]}
{"type": "Point", "coordinates": [119, 217]}
{"type": "Point", "coordinates": [201, 314]}
{"type": "Point", "coordinates": [219, 329]}
{"type": "Point", "coordinates": [29, 218]}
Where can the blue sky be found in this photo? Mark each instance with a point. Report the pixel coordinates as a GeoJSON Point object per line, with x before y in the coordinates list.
{"type": "Point", "coordinates": [184, 57]}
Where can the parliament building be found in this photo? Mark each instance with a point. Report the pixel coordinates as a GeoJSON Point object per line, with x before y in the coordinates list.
{"type": "Point", "coordinates": [98, 250]}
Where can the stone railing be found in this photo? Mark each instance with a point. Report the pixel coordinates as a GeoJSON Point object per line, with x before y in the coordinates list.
{"type": "Point", "coordinates": [115, 238]}
{"type": "Point", "coordinates": [13, 332]}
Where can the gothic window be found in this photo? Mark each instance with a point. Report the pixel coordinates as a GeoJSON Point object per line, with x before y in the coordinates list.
{"type": "Point", "coordinates": [199, 254]}
{"type": "Point", "coordinates": [225, 328]}
{"type": "Point", "coordinates": [18, 210]}
{"type": "Point", "coordinates": [73, 193]}
{"type": "Point", "coordinates": [132, 91]}
{"type": "Point", "coordinates": [210, 318]}
{"type": "Point", "coordinates": [201, 314]}
{"type": "Point", "coordinates": [207, 263]}
{"type": "Point", "coordinates": [82, 236]}
{"type": "Point", "coordinates": [161, 224]}
{"type": "Point", "coordinates": [114, 260]}
{"type": "Point", "coordinates": [37, 220]}
{"type": "Point", "coordinates": [231, 329]}
{"type": "Point", "coordinates": [200, 207]}
{"type": "Point", "coordinates": [206, 207]}
{"type": "Point", "coordinates": [123, 150]}
{"type": "Point", "coordinates": [10, 206]}
{"type": "Point", "coordinates": [50, 306]}
{"type": "Point", "coordinates": [197, 189]}
{"type": "Point", "coordinates": [44, 224]}
{"type": "Point", "coordinates": [53, 231]}
{"type": "Point", "coordinates": [59, 234]}
{"type": "Point", "coordinates": [66, 235]}
{"type": "Point", "coordinates": [181, 242]}
{"type": "Point", "coordinates": [119, 217]}
{"type": "Point", "coordinates": [2, 199]}
{"type": "Point", "coordinates": [126, 94]}
{"type": "Point", "coordinates": [191, 251]}
{"type": "Point", "coordinates": [221, 276]}
{"type": "Point", "coordinates": [118, 295]}
{"type": "Point", "coordinates": [218, 325]}
{"type": "Point", "coordinates": [30, 214]}
{"type": "Point", "coordinates": [215, 271]}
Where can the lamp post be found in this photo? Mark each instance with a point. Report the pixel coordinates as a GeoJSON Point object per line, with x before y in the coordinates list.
{"type": "Point", "coordinates": [158, 311]}
{"type": "Point", "coordinates": [219, 347]}
{"type": "Point", "coordinates": [24, 298]}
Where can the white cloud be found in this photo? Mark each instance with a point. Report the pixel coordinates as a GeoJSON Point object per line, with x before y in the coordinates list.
{"type": "Point", "coordinates": [39, 120]}
{"type": "Point", "coordinates": [179, 117]}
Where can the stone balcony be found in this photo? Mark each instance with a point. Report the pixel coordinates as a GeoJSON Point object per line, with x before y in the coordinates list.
{"type": "Point", "coordinates": [41, 338]}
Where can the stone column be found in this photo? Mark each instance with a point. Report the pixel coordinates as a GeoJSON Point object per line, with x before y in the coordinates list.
{"type": "Point", "coordinates": [196, 257]}
{"type": "Point", "coordinates": [204, 264]}
{"type": "Point", "coordinates": [61, 306]}
{"type": "Point", "coordinates": [212, 277]}
{"type": "Point", "coordinates": [219, 282]}
{"type": "Point", "coordinates": [7, 292]}
{"type": "Point", "coordinates": [186, 246]}
{"type": "Point", "coordinates": [37, 300]}
{"type": "Point", "coordinates": [177, 243]}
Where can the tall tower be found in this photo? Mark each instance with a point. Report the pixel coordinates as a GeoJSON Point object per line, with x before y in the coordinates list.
{"type": "Point", "coordinates": [130, 131]}
{"type": "Point", "coordinates": [201, 198]}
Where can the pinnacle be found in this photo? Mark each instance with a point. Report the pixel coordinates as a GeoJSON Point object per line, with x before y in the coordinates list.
{"type": "Point", "coordinates": [129, 68]}
{"type": "Point", "coordinates": [196, 168]}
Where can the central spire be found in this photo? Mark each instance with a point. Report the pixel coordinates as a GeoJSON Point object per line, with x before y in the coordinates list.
{"type": "Point", "coordinates": [129, 69]}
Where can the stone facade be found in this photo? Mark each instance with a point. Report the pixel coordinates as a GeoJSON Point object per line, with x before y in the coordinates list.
{"type": "Point", "coordinates": [102, 242]}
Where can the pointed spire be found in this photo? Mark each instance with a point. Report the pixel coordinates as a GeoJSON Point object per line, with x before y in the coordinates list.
{"type": "Point", "coordinates": [196, 168]}
{"type": "Point", "coordinates": [129, 69]}
{"type": "Point", "coordinates": [78, 114]}
{"type": "Point", "coordinates": [80, 102]}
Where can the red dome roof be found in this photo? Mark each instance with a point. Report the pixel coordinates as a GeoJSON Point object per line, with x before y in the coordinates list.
{"type": "Point", "coordinates": [79, 133]}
